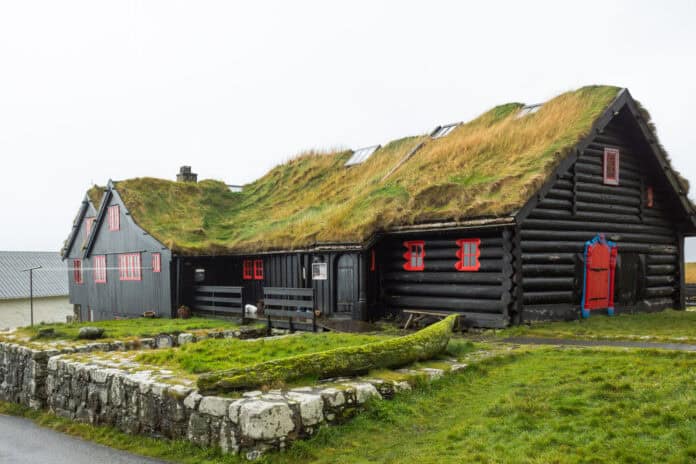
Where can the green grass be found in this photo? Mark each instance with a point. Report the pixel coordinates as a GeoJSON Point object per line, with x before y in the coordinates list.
{"type": "Point", "coordinates": [668, 325]}
{"type": "Point", "coordinates": [128, 328]}
{"type": "Point", "coordinates": [486, 167]}
{"type": "Point", "coordinates": [548, 406]}
{"type": "Point", "coordinates": [223, 354]}
{"type": "Point", "coordinates": [544, 406]}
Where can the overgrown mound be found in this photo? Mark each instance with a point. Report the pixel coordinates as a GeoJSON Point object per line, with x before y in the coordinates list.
{"type": "Point", "coordinates": [421, 346]}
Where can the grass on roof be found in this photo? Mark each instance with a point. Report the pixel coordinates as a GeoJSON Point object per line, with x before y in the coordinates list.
{"type": "Point", "coordinates": [487, 167]}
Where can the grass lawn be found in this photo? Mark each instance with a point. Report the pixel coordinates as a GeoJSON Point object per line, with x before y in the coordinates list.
{"type": "Point", "coordinates": [669, 325]}
{"type": "Point", "coordinates": [221, 354]}
{"type": "Point", "coordinates": [128, 328]}
{"type": "Point", "coordinates": [548, 406]}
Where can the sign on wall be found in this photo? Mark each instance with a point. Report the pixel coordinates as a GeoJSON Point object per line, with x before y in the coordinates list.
{"type": "Point", "coordinates": [319, 271]}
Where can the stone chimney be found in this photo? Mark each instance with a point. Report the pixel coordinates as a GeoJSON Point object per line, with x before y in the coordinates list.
{"type": "Point", "coordinates": [185, 175]}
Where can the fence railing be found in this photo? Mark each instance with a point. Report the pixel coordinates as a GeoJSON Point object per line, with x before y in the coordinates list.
{"type": "Point", "coordinates": [222, 300]}
{"type": "Point", "coordinates": [289, 304]}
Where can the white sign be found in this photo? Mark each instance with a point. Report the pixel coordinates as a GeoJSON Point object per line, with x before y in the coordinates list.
{"type": "Point", "coordinates": [319, 271]}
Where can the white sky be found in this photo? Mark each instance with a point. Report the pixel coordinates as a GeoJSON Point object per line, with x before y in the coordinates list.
{"type": "Point", "coordinates": [94, 90]}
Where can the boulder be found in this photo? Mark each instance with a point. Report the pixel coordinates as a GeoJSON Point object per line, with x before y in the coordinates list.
{"type": "Point", "coordinates": [90, 333]}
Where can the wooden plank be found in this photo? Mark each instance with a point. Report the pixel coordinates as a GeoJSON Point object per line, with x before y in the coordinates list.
{"type": "Point", "coordinates": [217, 299]}
{"type": "Point", "coordinates": [291, 314]}
{"type": "Point", "coordinates": [289, 303]}
{"type": "Point", "coordinates": [280, 291]}
{"type": "Point", "coordinates": [217, 289]}
{"type": "Point", "coordinates": [219, 309]}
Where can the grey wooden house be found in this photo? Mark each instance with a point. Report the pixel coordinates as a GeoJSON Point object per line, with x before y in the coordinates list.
{"type": "Point", "coordinates": [535, 212]}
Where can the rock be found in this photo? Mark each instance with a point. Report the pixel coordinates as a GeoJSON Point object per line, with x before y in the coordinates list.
{"type": "Point", "coordinates": [90, 333]}
{"type": "Point", "coordinates": [333, 397]}
{"type": "Point", "coordinates": [185, 338]}
{"type": "Point", "coordinates": [46, 333]}
{"type": "Point", "coordinates": [311, 407]}
{"type": "Point", "coordinates": [192, 400]}
{"type": "Point", "coordinates": [364, 392]}
{"type": "Point", "coordinates": [214, 406]}
{"type": "Point", "coordinates": [164, 341]}
{"type": "Point", "coordinates": [265, 420]}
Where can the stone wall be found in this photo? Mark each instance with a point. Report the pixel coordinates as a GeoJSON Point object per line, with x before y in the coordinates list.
{"type": "Point", "coordinates": [23, 374]}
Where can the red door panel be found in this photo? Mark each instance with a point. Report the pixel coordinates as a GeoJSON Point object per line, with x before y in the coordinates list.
{"type": "Point", "coordinates": [600, 266]}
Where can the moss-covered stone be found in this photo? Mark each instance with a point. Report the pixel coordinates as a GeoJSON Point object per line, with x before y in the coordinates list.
{"type": "Point", "coordinates": [421, 346]}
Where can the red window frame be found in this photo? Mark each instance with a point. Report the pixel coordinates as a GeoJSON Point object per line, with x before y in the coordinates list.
{"type": "Point", "coordinates": [77, 271]}
{"type": "Point", "coordinates": [650, 197]}
{"type": "Point", "coordinates": [114, 217]}
{"type": "Point", "coordinates": [248, 270]}
{"type": "Point", "coordinates": [373, 260]}
{"type": "Point", "coordinates": [100, 269]}
{"type": "Point", "coordinates": [415, 255]}
{"type": "Point", "coordinates": [468, 254]}
{"type": "Point", "coordinates": [258, 269]}
{"type": "Point", "coordinates": [156, 262]}
{"type": "Point", "coordinates": [611, 166]}
{"type": "Point", "coordinates": [129, 266]}
{"type": "Point", "coordinates": [89, 223]}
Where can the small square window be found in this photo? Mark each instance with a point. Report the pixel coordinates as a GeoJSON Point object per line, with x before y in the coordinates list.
{"type": "Point", "coordinates": [258, 269]}
{"type": "Point", "coordinates": [156, 262]}
{"type": "Point", "coordinates": [114, 217]}
{"type": "Point", "coordinates": [468, 254]}
{"type": "Point", "coordinates": [415, 256]}
{"type": "Point", "coordinates": [611, 166]}
{"type": "Point", "coordinates": [248, 271]}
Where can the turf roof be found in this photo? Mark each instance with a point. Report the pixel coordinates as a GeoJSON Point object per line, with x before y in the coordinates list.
{"type": "Point", "coordinates": [487, 167]}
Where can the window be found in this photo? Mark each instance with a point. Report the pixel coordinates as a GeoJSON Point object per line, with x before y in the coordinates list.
{"type": "Point", "coordinates": [468, 254]}
{"type": "Point", "coordinates": [89, 223]}
{"type": "Point", "coordinates": [114, 217]}
{"type": "Point", "coordinates": [77, 271]}
{"type": "Point", "coordinates": [361, 155]}
{"type": "Point", "coordinates": [248, 269]}
{"type": "Point", "coordinates": [100, 269]}
{"type": "Point", "coordinates": [258, 269]}
{"type": "Point", "coordinates": [650, 197]}
{"type": "Point", "coordinates": [156, 262]}
{"type": "Point", "coordinates": [611, 166]}
{"type": "Point", "coordinates": [442, 131]}
{"type": "Point", "coordinates": [373, 260]}
{"type": "Point", "coordinates": [129, 266]}
{"type": "Point", "coordinates": [415, 256]}
{"type": "Point", "coordinates": [526, 110]}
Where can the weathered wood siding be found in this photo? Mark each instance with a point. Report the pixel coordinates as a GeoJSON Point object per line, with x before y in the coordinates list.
{"type": "Point", "coordinates": [79, 293]}
{"type": "Point", "coordinates": [580, 205]}
{"type": "Point", "coordinates": [485, 296]}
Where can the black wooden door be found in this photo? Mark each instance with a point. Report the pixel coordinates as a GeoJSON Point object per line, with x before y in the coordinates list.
{"type": "Point", "coordinates": [345, 284]}
{"type": "Point", "coordinates": [628, 278]}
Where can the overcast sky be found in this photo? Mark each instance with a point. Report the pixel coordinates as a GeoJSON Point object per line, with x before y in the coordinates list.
{"type": "Point", "coordinates": [94, 90]}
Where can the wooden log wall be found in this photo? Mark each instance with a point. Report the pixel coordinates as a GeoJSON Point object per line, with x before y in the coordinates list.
{"type": "Point", "coordinates": [484, 295]}
{"type": "Point", "coordinates": [579, 206]}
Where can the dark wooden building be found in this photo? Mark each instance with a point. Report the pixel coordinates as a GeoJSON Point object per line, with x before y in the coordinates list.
{"type": "Point", "coordinates": [601, 229]}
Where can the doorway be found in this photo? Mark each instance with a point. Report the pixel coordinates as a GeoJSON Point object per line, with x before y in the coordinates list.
{"type": "Point", "coordinates": [600, 267]}
{"type": "Point", "coordinates": [346, 291]}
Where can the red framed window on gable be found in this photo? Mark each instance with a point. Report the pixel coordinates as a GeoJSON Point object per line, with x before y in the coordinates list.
{"type": "Point", "coordinates": [468, 254]}
{"type": "Point", "coordinates": [611, 166]}
{"type": "Point", "coordinates": [373, 260]}
{"type": "Point", "coordinates": [156, 262]}
{"type": "Point", "coordinates": [89, 223]}
{"type": "Point", "coordinates": [415, 255]}
{"type": "Point", "coordinates": [100, 269]}
{"type": "Point", "coordinates": [258, 269]}
{"type": "Point", "coordinates": [77, 271]}
{"type": "Point", "coordinates": [248, 269]}
{"type": "Point", "coordinates": [129, 266]}
{"type": "Point", "coordinates": [114, 217]}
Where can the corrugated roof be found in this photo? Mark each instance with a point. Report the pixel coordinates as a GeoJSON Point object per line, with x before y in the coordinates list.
{"type": "Point", "coordinates": [50, 280]}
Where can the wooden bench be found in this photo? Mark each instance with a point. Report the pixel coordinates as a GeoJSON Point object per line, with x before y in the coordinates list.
{"type": "Point", "coordinates": [219, 300]}
{"type": "Point", "coordinates": [417, 315]}
{"type": "Point", "coordinates": [291, 304]}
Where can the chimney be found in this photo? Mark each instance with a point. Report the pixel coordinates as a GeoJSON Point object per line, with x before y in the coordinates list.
{"type": "Point", "coordinates": [185, 175]}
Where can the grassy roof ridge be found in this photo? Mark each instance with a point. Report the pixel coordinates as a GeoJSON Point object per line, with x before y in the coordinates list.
{"type": "Point", "coordinates": [486, 167]}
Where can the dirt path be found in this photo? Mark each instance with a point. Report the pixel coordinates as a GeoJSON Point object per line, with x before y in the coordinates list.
{"type": "Point", "coordinates": [590, 343]}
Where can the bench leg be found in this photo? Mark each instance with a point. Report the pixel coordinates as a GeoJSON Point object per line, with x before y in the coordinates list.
{"type": "Point", "coordinates": [408, 322]}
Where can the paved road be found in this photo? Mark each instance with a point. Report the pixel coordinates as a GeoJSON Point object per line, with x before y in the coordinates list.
{"type": "Point", "coordinates": [23, 442]}
{"type": "Point", "coordinates": [618, 343]}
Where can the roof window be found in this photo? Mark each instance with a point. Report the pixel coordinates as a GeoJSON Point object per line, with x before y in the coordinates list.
{"type": "Point", "coordinates": [361, 155]}
{"type": "Point", "coordinates": [442, 131]}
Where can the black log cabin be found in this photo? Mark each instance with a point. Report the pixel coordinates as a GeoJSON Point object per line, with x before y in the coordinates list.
{"type": "Point", "coordinates": [594, 221]}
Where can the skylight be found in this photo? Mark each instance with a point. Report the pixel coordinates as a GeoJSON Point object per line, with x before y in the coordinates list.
{"type": "Point", "coordinates": [442, 131]}
{"type": "Point", "coordinates": [529, 109]}
{"type": "Point", "coordinates": [361, 155]}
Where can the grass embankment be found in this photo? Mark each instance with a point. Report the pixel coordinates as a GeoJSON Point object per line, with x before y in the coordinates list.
{"type": "Point", "coordinates": [224, 354]}
{"type": "Point", "coordinates": [127, 328]}
{"type": "Point", "coordinates": [665, 326]}
{"type": "Point", "coordinates": [549, 405]}
{"type": "Point", "coordinates": [486, 167]}
{"type": "Point", "coordinates": [690, 273]}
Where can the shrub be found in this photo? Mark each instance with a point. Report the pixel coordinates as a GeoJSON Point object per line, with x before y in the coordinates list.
{"type": "Point", "coordinates": [395, 352]}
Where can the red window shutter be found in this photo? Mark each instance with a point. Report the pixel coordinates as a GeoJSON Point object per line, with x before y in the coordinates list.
{"type": "Point", "coordinates": [258, 269]}
{"type": "Point", "coordinates": [468, 254]}
{"type": "Point", "coordinates": [611, 166]}
{"type": "Point", "coordinates": [415, 255]}
{"type": "Point", "coordinates": [156, 262]}
{"type": "Point", "coordinates": [248, 273]}
{"type": "Point", "coordinates": [89, 222]}
{"type": "Point", "coordinates": [100, 269]}
{"type": "Point", "coordinates": [650, 197]}
{"type": "Point", "coordinates": [114, 217]}
{"type": "Point", "coordinates": [77, 271]}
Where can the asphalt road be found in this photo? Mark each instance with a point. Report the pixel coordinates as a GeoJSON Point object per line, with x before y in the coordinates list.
{"type": "Point", "coordinates": [23, 442]}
